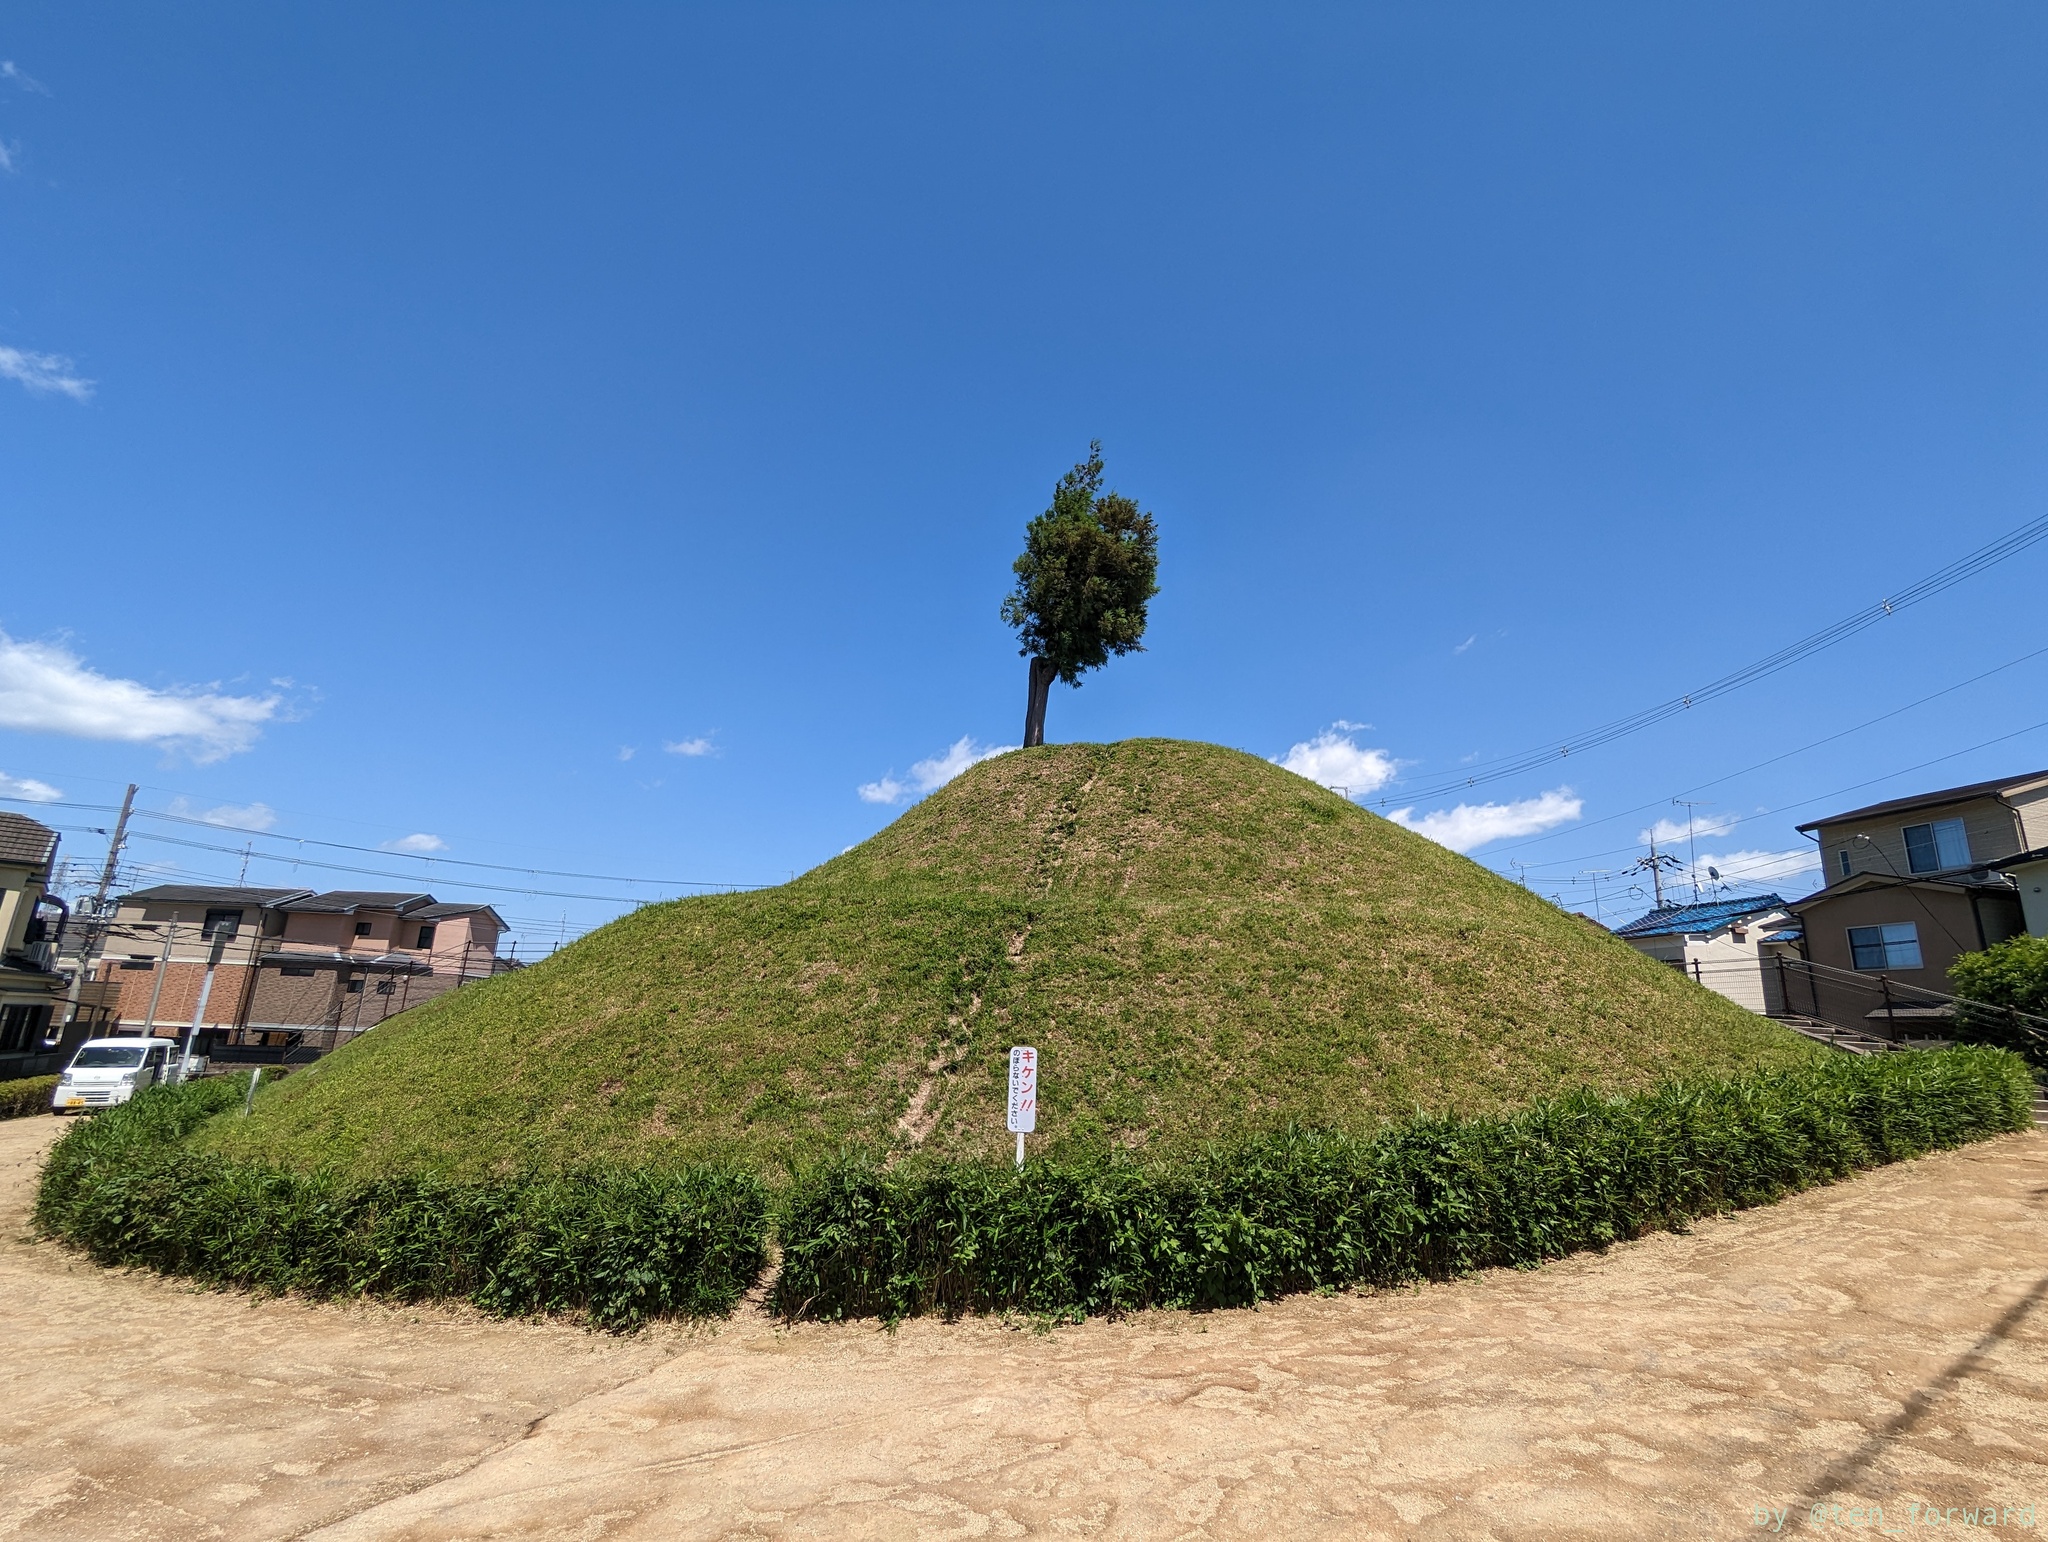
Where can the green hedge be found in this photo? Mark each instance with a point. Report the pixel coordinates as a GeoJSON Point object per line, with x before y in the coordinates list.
{"type": "Point", "coordinates": [1298, 1210]}
{"type": "Point", "coordinates": [1303, 1210]}
{"type": "Point", "coordinates": [29, 1095]}
{"type": "Point", "coordinates": [620, 1247]}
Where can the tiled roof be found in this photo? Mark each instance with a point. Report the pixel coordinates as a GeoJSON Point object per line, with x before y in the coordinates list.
{"type": "Point", "coordinates": [23, 840]}
{"type": "Point", "coordinates": [346, 902]}
{"type": "Point", "coordinates": [1674, 919]}
{"type": "Point", "coordinates": [223, 895]}
{"type": "Point", "coordinates": [1931, 799]}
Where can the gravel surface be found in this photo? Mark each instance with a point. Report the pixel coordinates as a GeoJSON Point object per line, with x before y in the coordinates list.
{"type": "Point", "coordinates": [1883, 1341]}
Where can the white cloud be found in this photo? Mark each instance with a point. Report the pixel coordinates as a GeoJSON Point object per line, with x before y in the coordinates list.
{"type": "Point", "coordinates": [45, 688]}
{"type": "Point", "coordinates": [1467, 643]}
{"type": "Point", "coordinates": [7, 154]}
{"type": "Point", "coordinates": [1665, 831]}
{"type": "Point", "coordinates": [241, 816]}
{"type": "Point", "coordinates": [28, 789]}
{"type": "Point", "coordinates": [627, 752]}
{"type": "Point", "coordinates": [43, 372]}
{"type": "Point", "coordinates": [13, 74]}
{"type": "Point", "coordinates": [1474, 824]}
{"type": "Point", "coordinates": [887, 790]}
{"type": "Point", "coordinates": [1769, 868]}
{"type": "Point", "coordinates": [698, 746]}
{"type": "Point", "coordinates": [417, 845]}
{"type": "Point", "coordinates": [930, 775]}
{"type": "Point", "coordinates": [1334, 760]}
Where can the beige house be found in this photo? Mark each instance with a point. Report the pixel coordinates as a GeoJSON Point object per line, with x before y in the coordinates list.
{"type": "Point", "coordinates": [31, 990]}
{"type": "Point", "coordinates": [1911, 884]}
{"type": "Point", "coordinates": [1722, 944]}
{"type": "Point", "coordinates": [2029, 869]}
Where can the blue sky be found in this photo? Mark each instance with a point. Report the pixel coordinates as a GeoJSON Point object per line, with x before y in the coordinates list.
{"type": "Point", "coordinates": [523, 387]}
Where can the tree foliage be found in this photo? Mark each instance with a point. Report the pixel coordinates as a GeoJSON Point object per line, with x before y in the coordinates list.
{"type": "Point", "coordinates": [2013, 973]}
{"type": "Point", "coordinates": [1089, 566]}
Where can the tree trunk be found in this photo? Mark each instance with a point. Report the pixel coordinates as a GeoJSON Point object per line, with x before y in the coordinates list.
{"type": "Point", "coordinates": [1034, 710]}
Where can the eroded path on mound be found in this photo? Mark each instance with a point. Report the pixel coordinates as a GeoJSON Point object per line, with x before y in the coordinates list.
{"type": "Point", "coordinates": [1886, 1340]}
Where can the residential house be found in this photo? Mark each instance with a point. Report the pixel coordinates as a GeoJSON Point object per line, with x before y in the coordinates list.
{"type": "Point", "coordinates": [31, 990]}
{"type": "Point", "coordinates": [263, 967]}
{"type": "Point", "coordinates": [1721, 944]}
{"type": "Point", "coordinates": [350, 959]}
{"type": "Point", "coordinates": [1912, 883]}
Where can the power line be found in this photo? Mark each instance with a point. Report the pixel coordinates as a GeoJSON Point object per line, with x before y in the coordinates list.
{"type": "Point", "coordinates": [1956, 572]}
{"type": "Point", "coordinates": [1772, 760]}
{"type": "Point", "coordinates": [431, 860]}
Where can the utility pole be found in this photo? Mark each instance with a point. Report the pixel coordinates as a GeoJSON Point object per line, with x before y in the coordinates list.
{"type": "Point", "coordinates": [97, 927]}
{"type": "Point", "coordinates": [1655, 865]}
{"type": "Point", "coordinates": [1692, 850]}
{"type": "Point", "coordinates": [156, 990]}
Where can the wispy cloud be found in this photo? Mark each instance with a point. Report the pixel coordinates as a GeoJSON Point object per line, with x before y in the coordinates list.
{"type": "Point", "coordinates": [627, 752]}
{"type": "Point", "coordinates": [701, 745]}
{"type": "Point", "coordinates": [45, 688]}
{"type": "Point", "coordinates": [27, 788]}
{"type": "Point", "coordinates": [1334, 759]}
{"type": "Point", "coordinates": [1474, 824]}
{"type": "Point", "coordinates": [240, 816]}
{"type": "Point", "coordinates": [43, 374]}
{"type": "Point", "coordinates": [7, 154]}
{"type": "Point", "coordinates": [1467, 643]}
{"type": "Point", "coordinates": [421, 845]}
{"type": "Point", "coordinates": [14, 75]}
{"type": "Point", "coordinates": [930, 775]}
{"type": "Point", "coordinates": [1704, 826]}
{"type": "Point", "coordinates": [1770, 869]}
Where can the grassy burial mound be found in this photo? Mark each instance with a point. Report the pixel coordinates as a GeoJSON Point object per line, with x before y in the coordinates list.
{"type": "Point", "coordinates": [1200, 943]}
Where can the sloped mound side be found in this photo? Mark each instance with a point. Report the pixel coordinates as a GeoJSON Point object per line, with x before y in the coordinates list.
{"type": "Point", "coordinates": [1199, 943]}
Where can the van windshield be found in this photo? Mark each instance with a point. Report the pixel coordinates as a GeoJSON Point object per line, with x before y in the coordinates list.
{"type": "Point", "coordinates": [106, 1057]}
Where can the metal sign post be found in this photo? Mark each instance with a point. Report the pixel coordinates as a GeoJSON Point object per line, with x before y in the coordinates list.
{"type": "Point", "coordinates": [1023, 1095]}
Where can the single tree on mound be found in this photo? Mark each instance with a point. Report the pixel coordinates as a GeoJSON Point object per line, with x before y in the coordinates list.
{"type": "Point", "coordinates": [1088, 568]}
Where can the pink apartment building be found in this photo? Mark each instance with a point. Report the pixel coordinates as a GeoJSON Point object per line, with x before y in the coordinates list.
{"type": "Point", "coordinates": [266, 966]}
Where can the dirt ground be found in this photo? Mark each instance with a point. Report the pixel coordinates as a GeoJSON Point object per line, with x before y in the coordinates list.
{"type": "Point", "coordinates": [1883, 1341]}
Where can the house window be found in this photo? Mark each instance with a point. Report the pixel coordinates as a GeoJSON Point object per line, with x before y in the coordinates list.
{"type": "Point", "coordinates": [221, 923]}
{"type": "Point", "coordinates": [21, 1028]}
{"type": "Point", "coordinates": [386, 987]}
{"type": "Point", "coordinates": [295, 969]}
{"type": "Point", "coordinates": [1843, 856]}
{"type": "Point", "coordinates": [355, 987]}
{"type": "Point", "coordinates": [362, 928]}
{"type": "Point", "coordinates": [1893, 946]}
{"type": "Point", "coordinates": [426, 937]}
{"type": "Point", "coordinates": [1937, 847]}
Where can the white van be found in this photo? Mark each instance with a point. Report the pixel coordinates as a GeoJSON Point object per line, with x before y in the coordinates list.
{"type": "Point", "coordinates": [109, 1071]}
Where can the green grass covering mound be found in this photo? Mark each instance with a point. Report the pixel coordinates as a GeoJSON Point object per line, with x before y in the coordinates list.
{"type": "Point", "coordinates": [1200, 944]}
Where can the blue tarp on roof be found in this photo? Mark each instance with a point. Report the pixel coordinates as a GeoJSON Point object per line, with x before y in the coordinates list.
{"type": "Point", "coordinates": [1673, 919]}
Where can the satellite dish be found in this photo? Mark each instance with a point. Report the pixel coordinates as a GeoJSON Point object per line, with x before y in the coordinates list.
{"type": "Point", "coordinates": [1714, 873]}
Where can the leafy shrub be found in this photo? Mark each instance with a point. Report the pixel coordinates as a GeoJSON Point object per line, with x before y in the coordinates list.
{"type": "Point", "coordinates": [1303, 1209]}
{"type": "Point", "coordinates": [29, 1095]}
{"type": "Point", "coordinates": [621, 1247]}
{"type": "Point", "coordinates": [2005, 978]}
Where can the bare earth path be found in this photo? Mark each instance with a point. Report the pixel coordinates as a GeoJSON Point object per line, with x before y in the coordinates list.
{"type": "Point", "coordinates": [1884, 1340]}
